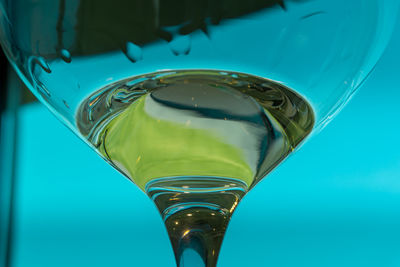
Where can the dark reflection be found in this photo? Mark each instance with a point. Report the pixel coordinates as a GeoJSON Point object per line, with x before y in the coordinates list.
{"type": "Point", "coordinates": [105, 25]}
{"type": "Point", "coordinates": [84, 27]}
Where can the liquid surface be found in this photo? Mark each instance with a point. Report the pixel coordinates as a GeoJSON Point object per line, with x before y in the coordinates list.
{"type": "Point", "coordinates": [195, 123]}
{"type": "Point", "coordinates": [195, 141]}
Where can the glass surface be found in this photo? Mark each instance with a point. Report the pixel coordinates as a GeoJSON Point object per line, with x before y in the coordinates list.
{"type": "Point", "coordinates": [109, 70]}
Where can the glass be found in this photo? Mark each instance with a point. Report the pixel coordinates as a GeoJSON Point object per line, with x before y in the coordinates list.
{"type": "Point", "coordinates": [77, 54]}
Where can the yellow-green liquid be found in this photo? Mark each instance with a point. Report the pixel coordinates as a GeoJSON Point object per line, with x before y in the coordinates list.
{"type": "Point", "coordinates": [195, 141]}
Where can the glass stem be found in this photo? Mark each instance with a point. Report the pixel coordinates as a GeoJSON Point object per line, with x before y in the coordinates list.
{"type": "Point", "coordinates": [196, 212]}
{"type": "Point", "coordinates": [196, 235]}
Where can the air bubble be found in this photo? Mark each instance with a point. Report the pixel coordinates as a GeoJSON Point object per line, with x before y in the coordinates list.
{"type": "Point", "coordinates": [133, 52]}
{"type": "Point", "coordinates": [66, 55]}
{"type": "Point", "coordinates": [180, 45]}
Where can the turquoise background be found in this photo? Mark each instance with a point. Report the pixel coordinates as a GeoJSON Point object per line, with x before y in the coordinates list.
{"type": "Point", "coordinates": [336, 202]}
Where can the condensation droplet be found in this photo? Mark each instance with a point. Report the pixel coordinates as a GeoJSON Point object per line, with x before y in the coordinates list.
{"type": "Point", "coordinates": [133, 52]}
{"type": "Point", "coordinates": [37, 84]}
{"type": "Point", "coordinates": [312, 15]}
{"type": "Point", "coordinates": [65, 103]}
{"type": "Point", "coordinates": [66, 55]}
{"type": "Point", "coordinates": [41, 88]}
{"type": "Point", "coordinates": [180, 45]}
{"type": "Point", "coordinates": [43, 64]}
{"type": "Point", "coordinates": [282, 5]}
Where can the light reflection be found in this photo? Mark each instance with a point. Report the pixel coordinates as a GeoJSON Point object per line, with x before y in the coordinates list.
{"type": "Point", "coordinates": [233, 206]}
{"type": "Point", "coordinates": [94, 101]}
{"type": "Point", "coordinates": [185, 233]}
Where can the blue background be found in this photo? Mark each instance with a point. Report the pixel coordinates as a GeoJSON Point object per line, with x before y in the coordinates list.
{"type": "Point", "coordinates": [336, 202]}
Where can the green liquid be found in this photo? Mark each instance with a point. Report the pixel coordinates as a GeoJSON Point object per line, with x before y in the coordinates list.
{"type": "Point", "coordinates": [195, 142]}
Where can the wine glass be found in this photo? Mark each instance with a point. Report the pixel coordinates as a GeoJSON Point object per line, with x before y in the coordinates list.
{"type": "Point", "coordinates": [195, 101]}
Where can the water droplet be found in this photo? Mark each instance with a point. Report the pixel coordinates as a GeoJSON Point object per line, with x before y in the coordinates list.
{"type": "Point", "coordinates": [282, 5]}
{"type": "Point", "coordinates": [37, 84]}
{"type": "Point", "coordinates": [41, 88]}
{"type": "Point", "coordinates": [133, 52]}
{"type": "Point", "coordinates": [164, 34]}
{"type": "Point", "coordinates": [180, 45]}
{"type": "Point", "coordinates": [43, 64]}
{"type": "Point", "coordinates": [65, 103]}
{"type": "Point", "coordinates": [66, 55]}
{"type": "Point", "coordinates": [312, 15]}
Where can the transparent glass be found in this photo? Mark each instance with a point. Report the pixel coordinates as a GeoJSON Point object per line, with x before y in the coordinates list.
{"type": "Point", "coordinates": [69, 52]}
